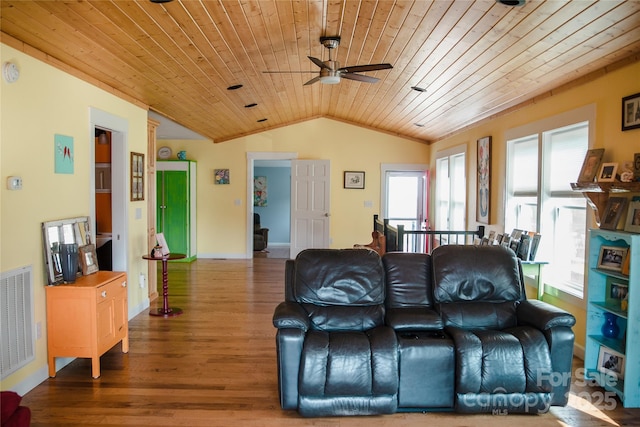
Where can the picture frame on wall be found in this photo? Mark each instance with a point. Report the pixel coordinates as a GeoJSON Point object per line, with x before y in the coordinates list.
{"type": "Point", "coordinates": [631, 112]}
{"type": "Point", "coordinates": [137, 176]}
{"type": "Point", "coordinates": [221, 176]}
{"type": "Point", "coordinates": [612, 212]}
{"type": "Point", "coordinates": [354, 179]}
{"type": "Point", "coordinates": [611, 362]}
{"type": "Point", "coordinates": [591, 165]}
{"type": "Point", "coordinates": [483, 196]}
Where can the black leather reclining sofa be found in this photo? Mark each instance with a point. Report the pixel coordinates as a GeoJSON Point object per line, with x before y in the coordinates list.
{"type": "Point", "coordinates": [358, 334]}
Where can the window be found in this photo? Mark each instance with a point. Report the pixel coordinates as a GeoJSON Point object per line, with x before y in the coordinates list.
{"type": "Point", "coordinates": [540, 167]}
{"type": "Point", "coordinates": [451, 190]}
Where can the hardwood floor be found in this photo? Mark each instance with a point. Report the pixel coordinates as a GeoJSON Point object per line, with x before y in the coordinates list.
{"type": "Point", "coordinates": [215, 366]}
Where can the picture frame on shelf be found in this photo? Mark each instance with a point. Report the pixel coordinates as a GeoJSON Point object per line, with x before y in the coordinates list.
{"type": "Point", "coordinates": [632, 224]}
{"type": "Point", "coordinates": [612, 258]}
{"type": "Point", "coordinates": [607, 172]}
{"type": "Point", "coordinates": [535, 242]}
{"type": "Point", "coordinates": [611, 362]}
{"type": "Point", "coordinates": [631, 112]}
{"type": "Point", "coordinates": [591, 165]}
{"type": "Point", "coordinates": [354, 179]}
{"type": "Point", "coordinates": [612, 212]}
{"type": "Point", "coordinates": [636, 167]}
{"type": "Point", "coordinates": [615, 292]}
{"type": "Point", "coordinates": [88, 259]}
{"type": "Point", "coordinates": [483, 198]}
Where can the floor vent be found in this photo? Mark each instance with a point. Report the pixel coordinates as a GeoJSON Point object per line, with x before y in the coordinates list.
{"type": "Point", "coordinates": [16, 320]}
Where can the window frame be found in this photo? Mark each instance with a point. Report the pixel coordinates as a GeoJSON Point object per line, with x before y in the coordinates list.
{"type": "Point", "coordinates": [449, 154]}
{"type": "Point", "coordinates": [540, 128]}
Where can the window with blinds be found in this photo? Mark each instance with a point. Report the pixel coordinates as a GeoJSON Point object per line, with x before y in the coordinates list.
{"type": "Point", "coordinates": [540, 168]}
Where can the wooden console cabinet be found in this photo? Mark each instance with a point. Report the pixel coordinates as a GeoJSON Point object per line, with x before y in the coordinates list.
{"type": "Point", "coordinates": [87, 318]}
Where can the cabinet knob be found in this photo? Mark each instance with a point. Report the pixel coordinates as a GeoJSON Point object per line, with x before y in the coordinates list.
{"type": "Point", "coordinates": [104, 294]}
{"type": "Point", "coordinates": [124, 284]}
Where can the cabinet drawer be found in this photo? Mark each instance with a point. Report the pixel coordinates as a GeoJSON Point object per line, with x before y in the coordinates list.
{"type": "Point", "coordinates": [111, 289]}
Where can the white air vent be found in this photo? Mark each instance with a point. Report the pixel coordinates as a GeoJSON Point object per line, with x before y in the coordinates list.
{"type": "Point", "coordinates": [16, 320]}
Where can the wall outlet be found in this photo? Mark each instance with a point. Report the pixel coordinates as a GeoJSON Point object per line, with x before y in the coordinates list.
{"type": "Point", "coordinates": [141, 280]}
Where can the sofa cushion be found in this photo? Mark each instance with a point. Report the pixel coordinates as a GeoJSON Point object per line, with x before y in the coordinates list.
{"type": "Point", "coordinates": [352, 277]}
{"type": "Point", "coordinates": [408, 279]}
{"type": "Point", "coordinates": [476, 273]}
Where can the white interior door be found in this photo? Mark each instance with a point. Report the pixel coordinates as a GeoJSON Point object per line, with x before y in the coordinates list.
{"type": "Point", "coordinates": [310, 211]}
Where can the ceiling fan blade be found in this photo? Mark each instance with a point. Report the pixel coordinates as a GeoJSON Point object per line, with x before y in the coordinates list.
{"type": "Point", "coordinates": [318, 62]}
{"type": "Point", "coordinates": [359, 77]}
{"type": "Point", "coordinates": [363, 68]}
{"type": "Point", "coordinates": [287, 72]}
{"type": "Point", "coordinates": [312, 81]}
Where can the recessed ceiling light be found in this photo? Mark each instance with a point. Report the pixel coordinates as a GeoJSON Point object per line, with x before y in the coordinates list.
{"type": "Point", "coordinates": [418, 89]}
{"type": "Point", "coordinates": [511, 2]}
{"type": "Point", "coordinates": [262, 120]}
{"type": "Point", "coordinates": [253, 104]}
{"type": "Point", "coordinates": [234, 87]}
{"type": "Point", "coordinates": [420, 125]}
{"type": "Point", "coordinates": [161, 1]}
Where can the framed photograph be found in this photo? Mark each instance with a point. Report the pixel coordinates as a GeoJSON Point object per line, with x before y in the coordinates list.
{"type": "Point", "coordinates": [636, 166]}
{"type": "Point", "coordinates": [88, 259]}
{"type": "Point", "coordinates": [633, 218]}
{"type": "Point", "coordinates": [221, 176]}
{"type": "Point", "coordinates": [591, 165]}
{"type": "Point", "coordinates": [631, 112]}
{"type": "Point", "coordinates": [353, 179]}
{"type": "Point", "coordinates": [608, 172]}
{"type": "Point", "coordinates": [612, 257]}
{"type": "Point", "coordinates": [535, 242]}
{"type": "Point", "coordinates": [616, 291]}
{"type": "Point", "coordinates": [613, 212]}
{"type": "Point", "coordinates": [611, 362]}
{"type": "Point", "coordinates": [483, 198]}
{"type": "Point", "coordinates": [137, 176]}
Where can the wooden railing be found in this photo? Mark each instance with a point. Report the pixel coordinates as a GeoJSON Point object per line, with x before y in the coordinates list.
{"type": "Point", "coordinates": [424, 241]}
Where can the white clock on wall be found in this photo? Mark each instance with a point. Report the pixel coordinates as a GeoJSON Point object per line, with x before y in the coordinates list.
{"type": "Point", "coordinates": [10, 72]}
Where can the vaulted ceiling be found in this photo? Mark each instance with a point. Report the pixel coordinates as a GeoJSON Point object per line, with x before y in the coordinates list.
{"type": "Point", "coordinates": [472, 59]}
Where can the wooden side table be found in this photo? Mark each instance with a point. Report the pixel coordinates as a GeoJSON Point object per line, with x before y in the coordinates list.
{"type": "Point", "coordinates": [165, 311]}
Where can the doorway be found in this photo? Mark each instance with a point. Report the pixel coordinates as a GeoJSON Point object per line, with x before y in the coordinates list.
{"type": "Point", "coordinates": [405, 190]}
{"type": "Point", "coordinates": [118, 129]}
{"type": "Point", "coordinates": [272, 208]}
{"type": "Point", "coordinates": [268, 219]}
{"type": "Point", "coordinates": [103, 202]}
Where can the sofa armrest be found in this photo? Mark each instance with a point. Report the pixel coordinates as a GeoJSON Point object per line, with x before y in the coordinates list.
{"type": "Point", "coordinates": [290, 315]}
{"type": "Point", "coordinates": [543, 315]}
{"type": "Point", "coordinates": [413, 319]}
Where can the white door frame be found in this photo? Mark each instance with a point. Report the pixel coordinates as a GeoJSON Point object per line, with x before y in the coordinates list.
{"type": "Point", "coordinates": [251, 157]}
{"type": "Point", "coordinates": [119, 128]}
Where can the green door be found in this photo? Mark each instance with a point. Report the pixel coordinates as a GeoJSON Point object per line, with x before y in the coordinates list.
{"type": "Point", "coordinates": [173, 209]}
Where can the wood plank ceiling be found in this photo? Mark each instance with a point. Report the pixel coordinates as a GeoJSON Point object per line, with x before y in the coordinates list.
{"type": "Point", "coordinates": [474, 58]}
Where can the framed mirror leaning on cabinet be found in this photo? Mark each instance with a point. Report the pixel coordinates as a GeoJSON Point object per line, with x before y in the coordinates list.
{"type": "Point", "coordinates": [56, 233]}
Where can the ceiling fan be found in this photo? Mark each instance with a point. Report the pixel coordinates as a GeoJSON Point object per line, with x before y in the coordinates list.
{"type": "Point", "coordinates": [330, 71]}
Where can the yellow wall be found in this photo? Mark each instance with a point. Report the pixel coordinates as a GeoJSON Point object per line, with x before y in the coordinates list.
{"type": "Point", "coordinates": [606, 93]}
{"type": "Point", "coordinates": [43, 102]}
{"type": "Point", "coordinates": [222, 224]}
